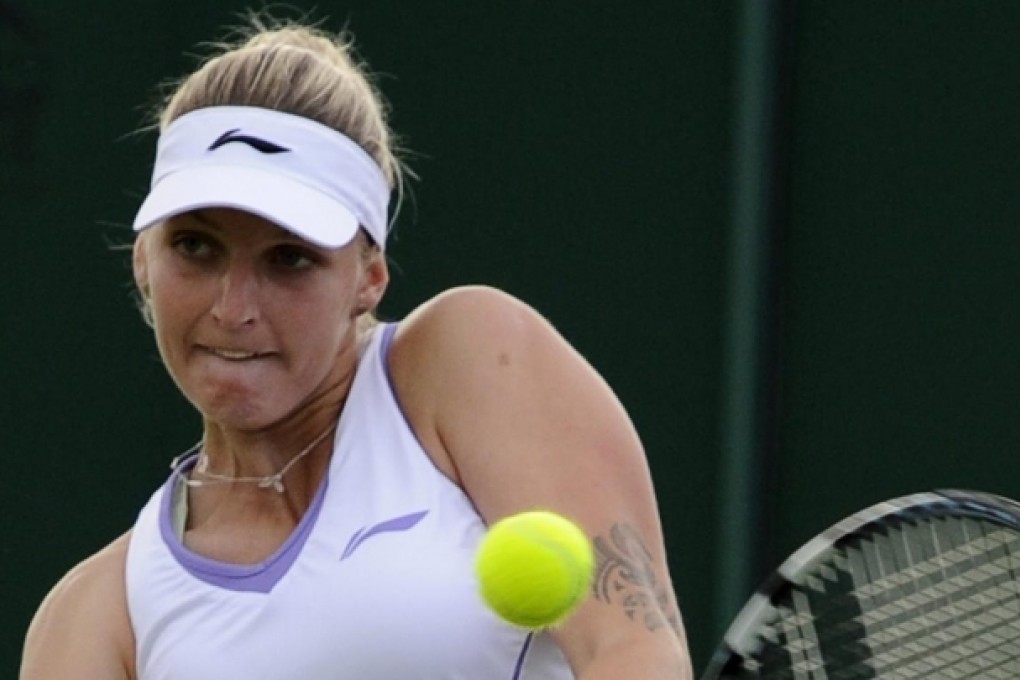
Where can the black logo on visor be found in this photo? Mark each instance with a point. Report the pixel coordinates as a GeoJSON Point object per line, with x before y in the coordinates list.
{"type": "Point", "coordinates": [254, 142]}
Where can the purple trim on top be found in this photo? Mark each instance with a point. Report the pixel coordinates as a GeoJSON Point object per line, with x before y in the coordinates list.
{"type": "Point", "coordinates": [402, 523]}
{"type": "Point", "coordinates": [519, 668]}
{"type": "Point", "coordinates": [257, 578]}
{"type": "Point", "coordinates": [384, 352]}
{"type": "Point", "coordinates": [388, 331]}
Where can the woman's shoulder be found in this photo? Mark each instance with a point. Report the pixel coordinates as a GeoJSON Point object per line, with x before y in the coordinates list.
{"type": "Point", "coordinates": [85, 617]}
{"type": "Point", "coordinates": [461, 299]}
{"type": "Point", "coordinates": [455, 345]}
{"type": "Point", "coordinates": [101, 574]}
{"type": "Point", "coordinates": [466, 317]}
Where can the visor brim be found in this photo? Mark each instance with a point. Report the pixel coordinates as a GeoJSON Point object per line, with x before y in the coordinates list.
{"type": "Point", "coordinates": [297, 207]}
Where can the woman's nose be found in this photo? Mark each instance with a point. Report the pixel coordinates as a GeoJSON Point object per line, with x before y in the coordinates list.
{"type": "Point", "coordinates": [237, 302]}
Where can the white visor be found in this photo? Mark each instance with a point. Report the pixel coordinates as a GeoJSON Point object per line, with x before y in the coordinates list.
{"type": "Point", "coordinates": [300, 174]}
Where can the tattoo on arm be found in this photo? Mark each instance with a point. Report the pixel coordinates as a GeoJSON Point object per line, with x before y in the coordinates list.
{"type": "Point", "coordinates": [624, 574]}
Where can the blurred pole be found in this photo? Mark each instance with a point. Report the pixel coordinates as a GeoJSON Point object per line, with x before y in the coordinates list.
{"type": "Point", "coordinates": [751, 322]}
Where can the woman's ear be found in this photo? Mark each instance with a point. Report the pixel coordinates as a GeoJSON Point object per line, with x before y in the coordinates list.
{"type": "Point", "coordinates": [376, 278]}
{"type": "Point", "coordinates": [140, 266]}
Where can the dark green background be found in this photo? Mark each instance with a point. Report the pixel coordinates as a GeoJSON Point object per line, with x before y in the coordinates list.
{"type": "Point", "coordinates": [579, 155]}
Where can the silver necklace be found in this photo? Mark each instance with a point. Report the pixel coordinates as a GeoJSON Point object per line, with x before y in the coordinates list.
{"type": "Point", "coordinates": [274, 481]}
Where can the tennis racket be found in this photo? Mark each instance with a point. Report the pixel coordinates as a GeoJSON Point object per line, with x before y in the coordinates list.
{"type": "Point", "coordinates": [923, 586]}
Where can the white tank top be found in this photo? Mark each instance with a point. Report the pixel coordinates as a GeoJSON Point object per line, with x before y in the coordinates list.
{"type": "Point", "coordinates": [375, 583]}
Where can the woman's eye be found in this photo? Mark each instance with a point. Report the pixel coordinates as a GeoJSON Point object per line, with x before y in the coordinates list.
{"type": "Point", "coordinates": [191, 244]}
{"type": "Point", "coordinates": [292, 258]}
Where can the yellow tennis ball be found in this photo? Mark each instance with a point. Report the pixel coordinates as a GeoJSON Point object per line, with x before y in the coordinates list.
{"type": "Point", "coordinates": [534, 568]}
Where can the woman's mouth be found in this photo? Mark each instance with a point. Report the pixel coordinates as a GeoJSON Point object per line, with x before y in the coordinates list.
{"type": "Point", "coordinates": [233, 354]}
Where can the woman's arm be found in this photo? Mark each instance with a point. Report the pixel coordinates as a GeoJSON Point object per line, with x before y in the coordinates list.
{"type": "Point", "coordinates": [82, 630]}
{"type": "Point", "coordinates": [522, 421]}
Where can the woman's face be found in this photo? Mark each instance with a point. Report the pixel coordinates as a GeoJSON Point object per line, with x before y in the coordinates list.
{"type": "Point", "coordinates": [252, 321]}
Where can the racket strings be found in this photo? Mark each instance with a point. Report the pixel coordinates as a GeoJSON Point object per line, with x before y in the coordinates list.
{"type": "Point", "coordinates": [925, 599]}
{"type": "Point", "coordinates": [949, 607]}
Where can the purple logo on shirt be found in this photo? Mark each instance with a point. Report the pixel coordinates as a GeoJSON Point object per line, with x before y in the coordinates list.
{"type": "Point", "coordinates": [402, 523]}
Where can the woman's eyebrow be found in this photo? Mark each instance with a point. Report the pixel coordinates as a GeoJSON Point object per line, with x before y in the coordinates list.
{"type": "Point", "coordinates": [201, 215]}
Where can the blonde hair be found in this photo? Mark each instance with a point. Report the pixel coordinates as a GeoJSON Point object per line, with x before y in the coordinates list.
{"type": "Point", "coordinates": [295, 68]}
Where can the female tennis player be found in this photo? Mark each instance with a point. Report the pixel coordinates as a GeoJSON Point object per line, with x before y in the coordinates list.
{"type": "Point", "coordinates": [325, 525]}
